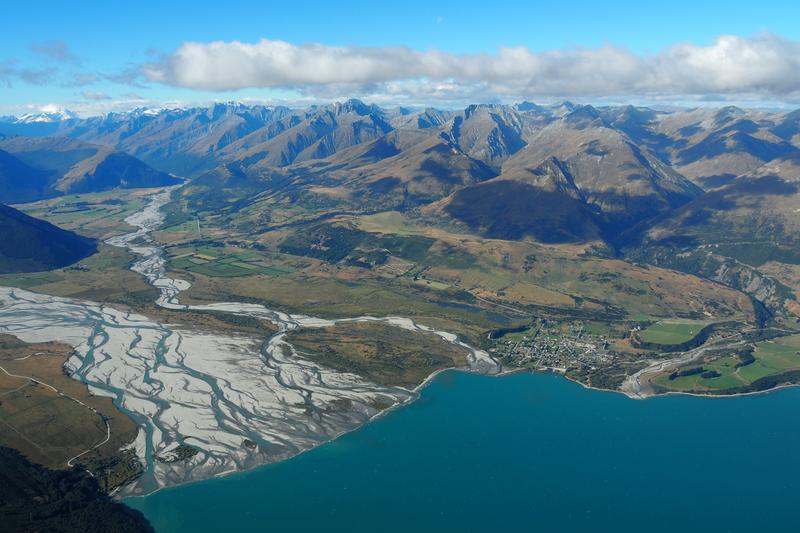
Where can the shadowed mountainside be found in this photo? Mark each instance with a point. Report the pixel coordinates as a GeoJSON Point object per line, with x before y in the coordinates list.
{"type": "Point", "coordinates": [35, 498]}
{"type": "Point", "coordinates": [30, 244]}
{"type": "Point", "coordinates": [32, 168]}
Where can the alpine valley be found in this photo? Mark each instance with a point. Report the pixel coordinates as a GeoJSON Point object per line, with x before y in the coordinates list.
{"type": "Point", "coordinates": [190, 292]}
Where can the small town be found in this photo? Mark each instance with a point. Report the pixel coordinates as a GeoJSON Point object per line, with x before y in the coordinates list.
{"type": "Point", "coordinates": [547, 345]}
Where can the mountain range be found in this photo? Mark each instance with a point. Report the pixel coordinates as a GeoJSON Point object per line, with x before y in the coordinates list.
{"type": "Point", "coordinates": [652, 185]}
{"type": "Point", "coordinates": [605, 169]}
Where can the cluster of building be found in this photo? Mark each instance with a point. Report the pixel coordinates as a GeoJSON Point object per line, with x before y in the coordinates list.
{"type": "Point", "coordinates": [549, 346]}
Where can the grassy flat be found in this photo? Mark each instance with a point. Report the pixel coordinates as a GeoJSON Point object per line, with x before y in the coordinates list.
{"type": "Point", "coordinates": [772, 358]}
{"type": "Point", "coordinates": [384, 354]}
{"type": "Point", "coordinates": [102, 277]}
{"type": "Point", "coordinates": [31, 279]}
{"type": "Point", "coordinates": [98, 215]}
{"type": "Point", "coordinates": [45, 426]}
{"type": "Point", "coordinates": [668, 332]}
{"type": "Point", "coordinates": [223, 262]}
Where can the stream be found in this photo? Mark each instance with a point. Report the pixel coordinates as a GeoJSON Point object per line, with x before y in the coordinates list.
{"type": "Point", "coordinates": [240, 400]}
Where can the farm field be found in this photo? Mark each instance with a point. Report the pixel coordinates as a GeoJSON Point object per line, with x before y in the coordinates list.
{"type": "Point", "coordinates": [98, 215]}
{"type": "Point", "coordinates": [668, 332]}
{"type": "Point", "coordinates": [223, 262]}
{"type": "Point", "coordinates": [769, 358]}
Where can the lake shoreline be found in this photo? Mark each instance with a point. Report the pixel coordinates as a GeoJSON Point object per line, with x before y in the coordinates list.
{"type": "Point", "coordinates": [535, 445]}
{"type": "Point", "coordinates": [417, 391]}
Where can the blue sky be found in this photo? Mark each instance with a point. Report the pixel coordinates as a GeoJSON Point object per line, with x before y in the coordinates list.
{"type": "Point", "coordinates": [106, 39]}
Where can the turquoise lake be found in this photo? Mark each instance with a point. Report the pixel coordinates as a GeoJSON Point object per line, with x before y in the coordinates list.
{"type": "Point", "coordinates": [525, 452]}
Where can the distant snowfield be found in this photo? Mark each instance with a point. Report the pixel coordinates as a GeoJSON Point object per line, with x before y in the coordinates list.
{"type": "Point", "coordinates": [217, 393]}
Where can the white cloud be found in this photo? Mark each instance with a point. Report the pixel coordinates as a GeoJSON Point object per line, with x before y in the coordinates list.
{"type": "Point", "coordinates": [765, 65]}
{"type": "Point", "coordinates": [51, 108]}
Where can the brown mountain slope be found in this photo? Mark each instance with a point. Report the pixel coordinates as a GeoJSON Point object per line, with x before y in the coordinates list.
{"type": "Point", "coordinates": [625, 183]}
{"type": "Point", "coordinates": [184, 141]}
{"type": "Point", "coordinates": [763, 205]}
{"type": "Point", "coordinates": [745, 234]}
{"type": "Point", "coordinates": [490, 133]}
{"type": "Point", "coordinates": [320, 133]}
{"type": "Point", "coordinates": [425, 172]}
{"type": "Point", "coordinates": [708, 146]}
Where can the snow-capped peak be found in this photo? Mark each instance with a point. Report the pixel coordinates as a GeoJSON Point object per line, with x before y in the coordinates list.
{"type": "Point", "coordinates": [47, 116]}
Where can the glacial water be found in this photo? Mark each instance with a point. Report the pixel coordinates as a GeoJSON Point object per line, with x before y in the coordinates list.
{"type": "Point", "coordinates": [525, 452]}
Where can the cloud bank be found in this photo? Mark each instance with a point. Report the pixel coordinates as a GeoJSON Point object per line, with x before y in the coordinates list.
{"type": "Point", "coordinates": [765, 65]}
